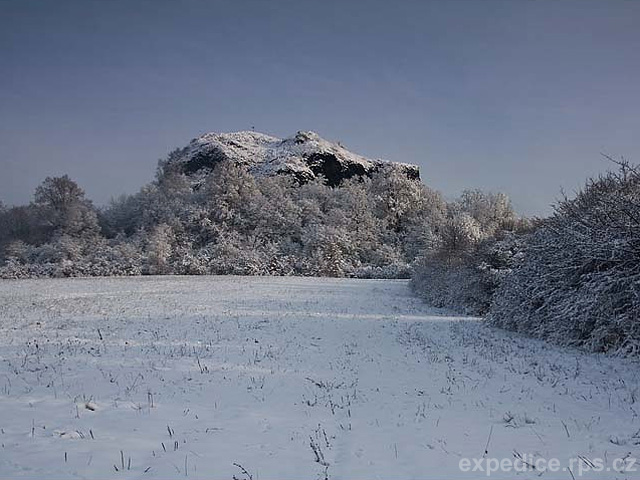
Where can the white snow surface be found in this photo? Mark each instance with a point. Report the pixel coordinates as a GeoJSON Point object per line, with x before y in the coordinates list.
{"type": "Point", "coordinates": [183, 377]}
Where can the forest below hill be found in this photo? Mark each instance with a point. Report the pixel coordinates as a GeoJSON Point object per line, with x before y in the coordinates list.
{"type": "Point", "coordinates": [573, 278]}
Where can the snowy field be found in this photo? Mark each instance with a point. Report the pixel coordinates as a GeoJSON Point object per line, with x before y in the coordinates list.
{"type": "Point", "coordinates": [290, 378]}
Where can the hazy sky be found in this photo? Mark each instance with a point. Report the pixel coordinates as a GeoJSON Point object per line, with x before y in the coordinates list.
{"type": "Point", "coordinates": [516, 96]}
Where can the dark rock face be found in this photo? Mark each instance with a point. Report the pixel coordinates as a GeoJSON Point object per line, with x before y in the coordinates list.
{"type": "Point", "coordinates": [412, 171]}
{"type": "Point", "coordinates": [201, 160]}
{"type": "Point", "coordinates": [335, 171]}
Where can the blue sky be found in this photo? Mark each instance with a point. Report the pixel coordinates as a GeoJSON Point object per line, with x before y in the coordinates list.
{"type": "Point", "coordinates": [513, 96]}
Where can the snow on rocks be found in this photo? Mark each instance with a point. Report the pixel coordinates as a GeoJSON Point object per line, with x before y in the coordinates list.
{"type": "Point", "coordinates": [304, 156]}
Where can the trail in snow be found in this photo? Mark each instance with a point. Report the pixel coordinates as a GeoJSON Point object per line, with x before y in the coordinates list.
{"type": "Point", "coordinates": [166, 377]}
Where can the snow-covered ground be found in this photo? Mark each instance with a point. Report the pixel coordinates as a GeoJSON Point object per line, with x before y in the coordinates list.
{"type": "Point", "coordinates": [289, 378]}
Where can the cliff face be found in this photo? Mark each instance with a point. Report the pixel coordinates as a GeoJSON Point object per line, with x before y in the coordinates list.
{"type": "Point", "coordinates": [304, 156]}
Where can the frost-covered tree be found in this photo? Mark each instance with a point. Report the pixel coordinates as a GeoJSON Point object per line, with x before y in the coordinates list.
{"type": "Point", "coordinates": [230, 194]}
{"type": "Point", "coordinates": [276, 214]}
{"type": "Point", "coordinates": [492, 211]}
{"type": "Point", "coordinates": [121, 216]}
{"type": "Point", "coordinates": [23, 223]}
{"type": "Point", "coordinates": [459, 234]}
{"type": "Point", "coordinates": [159, 249]}
{"type": "Point", "coordinates": [64, 209]}
{"type": "Point", "coordinates": [329, 249]}
{"type": "Point", "coordinates": [401, 201]}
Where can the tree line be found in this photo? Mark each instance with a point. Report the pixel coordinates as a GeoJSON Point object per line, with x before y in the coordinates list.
{"type": "Point", "coordinates": [233, 222]}
{"type": "Point", "coordinates": [572, 278]}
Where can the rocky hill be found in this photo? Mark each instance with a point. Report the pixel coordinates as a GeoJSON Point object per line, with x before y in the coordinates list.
{"type": "Point", "coordinates": [304, 156]}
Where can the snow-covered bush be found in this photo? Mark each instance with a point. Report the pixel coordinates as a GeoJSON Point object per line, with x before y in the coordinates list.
{"type": "Point", "coordinates": [68, 257]}
{"type": "Point", "coordinates": [579, 279]}
{"type": "Point", "coordinates": [475, 247]}
{"type": "Point", "coordinates": [467, 282]}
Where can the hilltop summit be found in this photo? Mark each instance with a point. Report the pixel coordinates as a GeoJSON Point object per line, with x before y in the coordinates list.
{"type": "Point", "coordinates": [305, 156]}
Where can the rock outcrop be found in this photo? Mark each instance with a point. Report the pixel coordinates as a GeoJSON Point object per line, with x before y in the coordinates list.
{"type": "Point", "coordinates": [304, 156]}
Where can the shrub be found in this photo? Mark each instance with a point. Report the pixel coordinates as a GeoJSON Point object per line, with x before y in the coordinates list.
{"type": "Point", "coordinates": [579, 280]}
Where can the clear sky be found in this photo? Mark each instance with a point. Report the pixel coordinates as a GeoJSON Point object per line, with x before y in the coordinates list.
{"type": "Point", "coordinates": [515, 96]}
